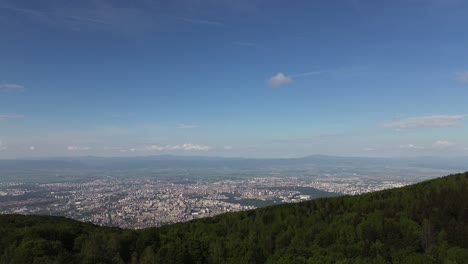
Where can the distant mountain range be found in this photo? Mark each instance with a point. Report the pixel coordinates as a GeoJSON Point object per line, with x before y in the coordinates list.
{"type": "Point", "coordinates": [169, 161]}
{"type": "Point", "coordinates": [422, 223]}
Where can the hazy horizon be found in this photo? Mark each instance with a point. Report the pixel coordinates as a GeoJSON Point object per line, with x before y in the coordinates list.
{"type": "Point", "coordinates": [206, 156]}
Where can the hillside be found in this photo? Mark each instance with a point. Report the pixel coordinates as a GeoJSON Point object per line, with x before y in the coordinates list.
{"type": "Point", "coordinates": [422, 223]}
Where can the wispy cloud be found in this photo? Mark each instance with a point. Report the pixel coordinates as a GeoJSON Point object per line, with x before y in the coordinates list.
{"type": "Point", "coordinates": [11, 87]}
{"type": "Point", "coordinates": [463, 77]}
{"type": "Point", "coordinates": [121, 16]}
{"type": "Point", "coordinates": [439, 144]}
{"type": "Point", "coordinates": [112, 148]}
{"type": "Point", "coordinates": [279, 80]}
{"type": "Point", "coordinates": [311, 139]}
{"type": "Point", "coordinates": [184, 147]}
{"type": "Point", "coordinates": [10, 116]}
{"type": "Point", "coordinates": [200, 21]}
{"type": "Point", "coordinates": [119, 149]}
{"type": "Point", "coordinates": [443, 144]}
{"type": "Point", "coordinates": [50, 13]}
{"type": "Point", "coordinates": [426, 121]}
{"type": "Point", "coordinates": [103, 15]}
{"type": "Point", "coordinates": [78, 148]}
{"type": "Point", "coordinates": [184, 126]}
{"type": "Point", "coordinates": [2, 146]}
{"type": "Point", "coordinates": [305, 74]}
{"type": "Point", "coordinates": [411, 146]}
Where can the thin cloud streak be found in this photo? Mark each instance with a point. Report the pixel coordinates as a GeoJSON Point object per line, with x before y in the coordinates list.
{"type": "Point", "coordinates": [410, 146]}
{"type": "Point", "coordinates": [11, 87]}
{"type": "Point", "coordinates": [106, 15]}
{"type": "Point", "coordinates": [39, 12]}
{"type": "Point", "coordinates": [184, 147]}
{"type": "Point", "coordinates": [2, 146]}
{"type": "Point", "coordinates": [305, 74]}
{"type": "Point", "coordinates": [78, 148]}
{"type": "Point", "coordinates": [426, 121]}
{"type": "Point", "coordinates": [443, 144]}
{"type": "Point", "coordinates": [10, 116]}
{"type": "Point", "coordinates": [280, 79]}
{"type": "Point", "coordinates": [200, 21]}
{"type": "Point", "coordinates": [119, 149]}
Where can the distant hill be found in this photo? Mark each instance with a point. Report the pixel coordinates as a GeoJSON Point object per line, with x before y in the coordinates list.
{"type": "Point", "coordinates": [422, 223]}
{"type": "Point", "coordinates": [179, 162]}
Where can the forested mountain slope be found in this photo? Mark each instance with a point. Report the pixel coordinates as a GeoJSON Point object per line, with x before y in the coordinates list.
{"type": "Point", "coordinates": [422, 223]}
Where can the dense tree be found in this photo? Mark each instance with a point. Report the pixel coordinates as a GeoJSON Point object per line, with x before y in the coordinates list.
{"type": "Point", "coordinates": [423, 223]}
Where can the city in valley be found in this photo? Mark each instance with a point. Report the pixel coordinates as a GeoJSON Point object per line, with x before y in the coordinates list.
{"type": "Point", "coordinates": [141, 197]}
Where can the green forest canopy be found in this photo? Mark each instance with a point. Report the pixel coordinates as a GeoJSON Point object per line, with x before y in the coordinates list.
{"type": "Point", "coordinates": [423, 223]}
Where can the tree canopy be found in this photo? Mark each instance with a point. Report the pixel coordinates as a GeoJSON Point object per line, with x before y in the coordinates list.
{"type": "Point", "coordinates": [423, 223]}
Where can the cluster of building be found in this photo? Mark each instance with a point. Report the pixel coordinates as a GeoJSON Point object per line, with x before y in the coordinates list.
{"type": "Point", "coordinates": [352, 188]}
{"type": "Point", "coordinates": [145, 202]}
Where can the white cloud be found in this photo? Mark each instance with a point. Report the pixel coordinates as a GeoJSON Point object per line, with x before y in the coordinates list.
{"type": "Point", "coordinates": [463, 77]}
{"type": "Point", "coordinates": [279, 80]}
{"type": "Point", "coordinates": [410, 146]}
{"type": "Point", "coordinates": [156, 147]}
{"type": "Point", "coordinates": [11, 87]}
{"type": "Point", "coordinates": [119, 149]}
{"type": "Point", "coordinates": [10, 116]}
{"type": "Point", "coordinates": [193, 147]}
{"type": "Point", "coordinates": [368, 149]}
{"type": "Point", "coordinates": [426, 121]}
{"type": "Point", "coordinates": [184, 126]}
{"type": "Point", "coordinates": [443, 144]}
{"type": "Point", "coordinates": [32, 148]}
{"type": "Point", "coordinates": [228, 147]}
{"type": "Point", "coordinates": [184, 147]}
{"type": "Point", "coordinates": [78, 148]}
{"type": "Point", "coordinates": [112, 148]}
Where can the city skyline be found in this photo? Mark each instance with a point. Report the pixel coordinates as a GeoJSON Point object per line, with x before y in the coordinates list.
{"type": "Point", "coordinates": [233, 78]}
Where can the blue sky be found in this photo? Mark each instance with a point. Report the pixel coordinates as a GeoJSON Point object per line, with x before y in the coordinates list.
{"type": "Point", "coordinates": [257, 78]}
